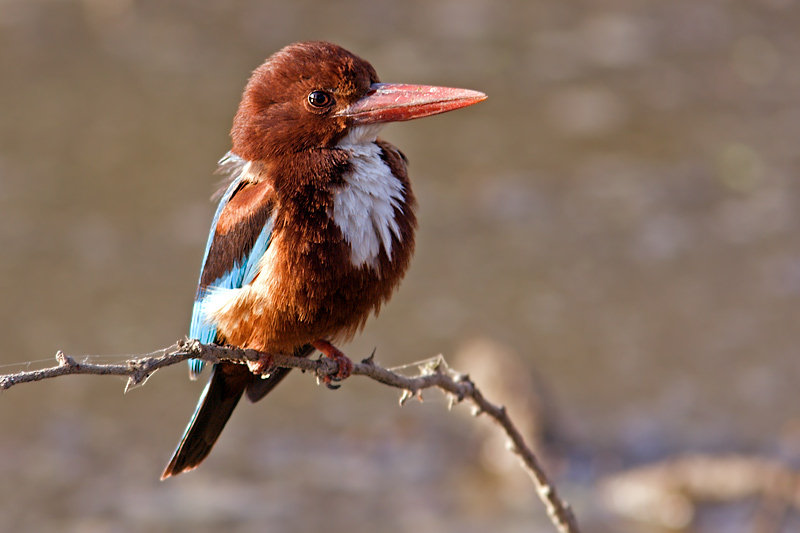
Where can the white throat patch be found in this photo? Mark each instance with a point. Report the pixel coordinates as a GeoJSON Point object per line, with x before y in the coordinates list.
{"type": "Point", "coordinates": [364, 207]}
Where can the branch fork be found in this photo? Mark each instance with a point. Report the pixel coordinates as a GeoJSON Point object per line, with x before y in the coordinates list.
{"type": "Point", "coordinates": [432, 373]}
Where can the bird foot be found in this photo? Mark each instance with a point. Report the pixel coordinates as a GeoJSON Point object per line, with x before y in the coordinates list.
{"type": "Point", "coordinates": [263, 366]}
{"type": "Point", "coordinates": [332, 352]}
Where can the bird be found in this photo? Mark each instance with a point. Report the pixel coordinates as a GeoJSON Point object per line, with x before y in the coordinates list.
{"type": "Point", "coordinates": [314, 228]}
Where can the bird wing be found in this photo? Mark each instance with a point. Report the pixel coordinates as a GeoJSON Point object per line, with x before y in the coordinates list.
{"type": "Point", "coordinates": [239, 236]}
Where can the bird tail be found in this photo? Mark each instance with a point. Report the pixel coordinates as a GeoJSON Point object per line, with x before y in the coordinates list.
{"type": "Point", "coordinates": [225, 387]}
{"type": "Point", "coordinates": [223, 391]}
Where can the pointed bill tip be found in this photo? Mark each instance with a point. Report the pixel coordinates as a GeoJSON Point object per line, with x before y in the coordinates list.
{"type": "Point", "coordinates": [394, 102]}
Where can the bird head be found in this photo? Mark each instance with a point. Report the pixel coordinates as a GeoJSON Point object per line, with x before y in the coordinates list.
{"type": "Point", "coordinates": [310, 95]}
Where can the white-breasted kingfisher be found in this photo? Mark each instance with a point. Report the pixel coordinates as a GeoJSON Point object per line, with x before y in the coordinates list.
{"type": "Point", "coordinates": [316, 228]}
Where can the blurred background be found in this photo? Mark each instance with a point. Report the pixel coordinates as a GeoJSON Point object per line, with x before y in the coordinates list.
{"type": "Point", "coordinates": [619, 219]}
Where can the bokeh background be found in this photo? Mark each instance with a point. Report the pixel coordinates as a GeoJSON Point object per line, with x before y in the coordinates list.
{"type": "Point", "coordinates": [620, 217]}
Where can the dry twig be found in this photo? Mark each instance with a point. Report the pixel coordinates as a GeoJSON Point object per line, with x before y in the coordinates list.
{"type": "Point", "coordinates": [459, 387]}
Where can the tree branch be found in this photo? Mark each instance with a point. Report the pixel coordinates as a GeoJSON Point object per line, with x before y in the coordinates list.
{"type": "Point", "coordinates": [434, 373]}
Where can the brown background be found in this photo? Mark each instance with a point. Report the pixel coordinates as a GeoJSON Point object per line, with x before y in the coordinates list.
{"type": "Point", "coordinates": [622, 213]}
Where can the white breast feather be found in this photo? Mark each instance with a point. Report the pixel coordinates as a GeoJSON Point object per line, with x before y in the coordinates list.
{"type": "Point", "coordinates": [364, 207]}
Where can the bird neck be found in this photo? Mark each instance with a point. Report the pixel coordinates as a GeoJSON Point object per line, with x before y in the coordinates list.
{"type": "Point", "coordinates": [356, 193]}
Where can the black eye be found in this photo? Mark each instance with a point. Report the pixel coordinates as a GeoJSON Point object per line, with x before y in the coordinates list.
{"type": "Point", "coordinates": [320, 99]}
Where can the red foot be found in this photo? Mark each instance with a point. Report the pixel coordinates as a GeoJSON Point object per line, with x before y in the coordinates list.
{"type": "Point", "coordinates": [263, 366]}
{"type": "Point", "coordinates": [332, 352]}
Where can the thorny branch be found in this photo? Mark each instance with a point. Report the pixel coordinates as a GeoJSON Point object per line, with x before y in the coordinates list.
{"type": "Point", "coordinates": [458, 387]}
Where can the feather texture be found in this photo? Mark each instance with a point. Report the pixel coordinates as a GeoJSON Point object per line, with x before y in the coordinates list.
{"type": "Point", "coordinates": [315, 229]}
{"type": "Point", "coordinates": [239, 237]}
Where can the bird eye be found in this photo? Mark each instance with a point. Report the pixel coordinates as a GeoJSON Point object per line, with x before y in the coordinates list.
{"type": "Point", "coordinates": [320, 99]}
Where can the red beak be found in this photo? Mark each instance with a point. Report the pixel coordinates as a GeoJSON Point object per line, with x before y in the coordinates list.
{"type": "Point", "coordinates": [393, 102]}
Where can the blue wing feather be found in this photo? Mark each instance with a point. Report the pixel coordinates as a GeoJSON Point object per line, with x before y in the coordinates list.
{"type": "Point", "coordinates": [241, 273]}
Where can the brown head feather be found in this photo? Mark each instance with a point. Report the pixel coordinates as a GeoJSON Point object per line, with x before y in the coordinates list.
{"type": "Point", "coordinates": [275, 119]}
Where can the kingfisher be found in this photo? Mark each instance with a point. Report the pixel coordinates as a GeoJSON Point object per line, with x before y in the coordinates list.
{"type": "Point", "coordinates": [314, 229]}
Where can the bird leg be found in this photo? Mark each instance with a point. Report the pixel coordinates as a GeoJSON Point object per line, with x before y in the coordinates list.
{"type": "Point", "coordinates": [332, 352]}
{"type": "Point", "coordinates": [263, 366]}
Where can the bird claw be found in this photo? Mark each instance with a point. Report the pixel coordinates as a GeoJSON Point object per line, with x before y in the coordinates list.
{"type": "Point", "coordinates": [263, 366]}
{"type": "Point", "coordinates": [344, 362]}
{"type": "Point", "coordinates": [327, 381]}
